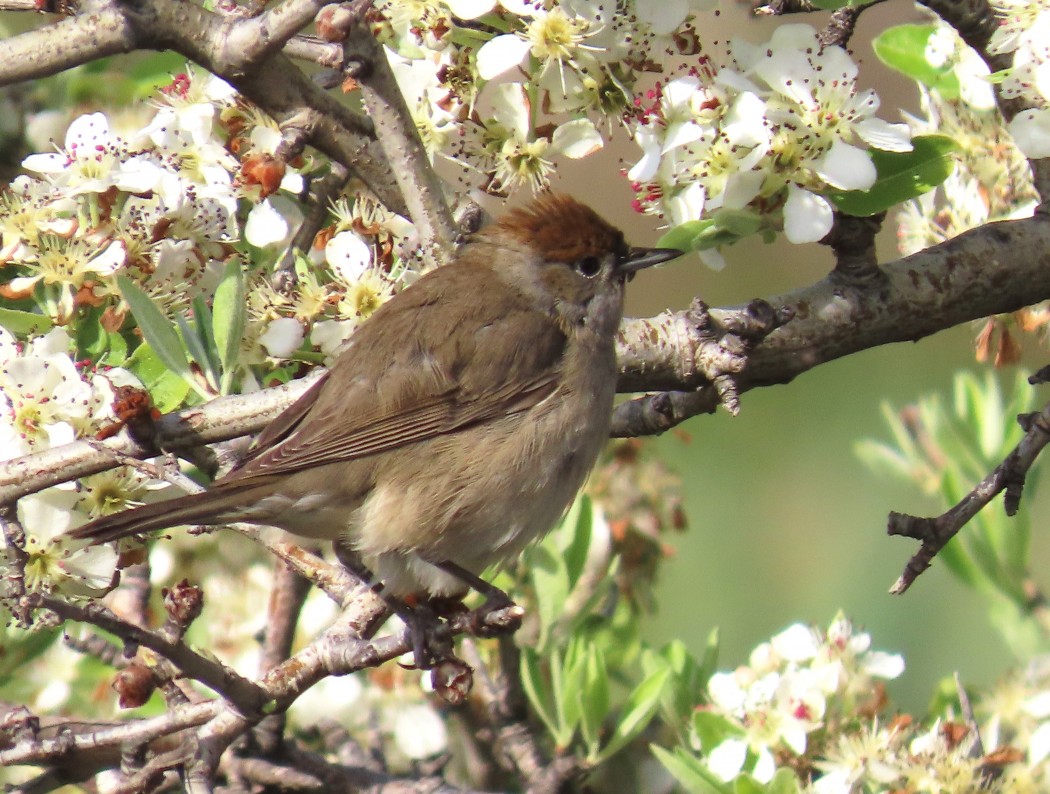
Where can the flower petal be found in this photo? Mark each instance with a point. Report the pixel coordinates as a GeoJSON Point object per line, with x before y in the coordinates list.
{"type": "Point", "coordinates": [807, 216]}
{"type": "Point", "coordinates": [501, 54]}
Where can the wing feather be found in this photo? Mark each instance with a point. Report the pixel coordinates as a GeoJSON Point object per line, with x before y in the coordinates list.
{"type": "Point", "coordinates": [434, 382]}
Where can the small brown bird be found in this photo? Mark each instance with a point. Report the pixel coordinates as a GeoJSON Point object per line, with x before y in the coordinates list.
{"type": "Point", "coordinates": [459, 421]}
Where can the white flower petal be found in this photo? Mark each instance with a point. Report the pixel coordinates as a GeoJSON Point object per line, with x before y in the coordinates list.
{"type": "Point", "coordinates": [662, 16]}
{"type": "Point", "coordinates": [501, 54]}
{"type": "Point", "coordinates": [679, 91]}
{"type": "Point", "coordinates": [646, 168]}
{"type": "Point", "coordinates": [796, 643]}
{"type": "Point", "coordinates": [713, 258]}
{"type": "Point", "coordinates": [470, 9]}
{"type": "Point", "coordinates": [846, 167]}
{"type": "Point", "coordinates": [884, 665]}
{"type": "Point", "coordinates": [1031, 132]}
{"type": "Point", "coordinates": [510, 108]}
{"type": "Point", "coordinates": [348, 255]}
{"type": "Point", "coordinates": [883, 135]}
{"type": "Point", "coordinates": [745, 123]}
{"type": "Point", "coordinates": [577, 139]}
{"type": "Point", "coordinates": [807, 216]}
{"type": "Point", "coordinates": [680, 133]}
{"type": "Point", "coordinates": [686, 205]}
{"type": "Point", "coordinates": [271, 222]}
{"type": "Point", "coordinates": [726, 760]}
{"type": "Point", "coordinates": [1039, 744]}
{"type": "Point", "coordinates": [420, 732]}
{"type": "Point", "coordinates": [765, 766]}
{"type": "Point", "coordinates": [725, 691]}
{"type": "Point", "coordinates": [741, 188]}
{"type": "Point", "coordinates": [328, 335]}
{"type": "Point", "coordinates": [282, 337]}
{"type": "Point", "coordinates": [87, 130]}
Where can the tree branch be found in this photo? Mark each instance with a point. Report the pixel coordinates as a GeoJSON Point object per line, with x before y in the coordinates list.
{"type": "Point", "coordinates": [1008, 476]}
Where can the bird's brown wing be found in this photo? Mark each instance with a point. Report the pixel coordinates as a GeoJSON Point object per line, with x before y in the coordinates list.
{"type": "Point", "coordinates": [434, 381]}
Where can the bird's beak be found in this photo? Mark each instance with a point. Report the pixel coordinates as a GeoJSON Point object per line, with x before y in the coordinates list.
{"type": "Point", "coordinates": [639, 258]}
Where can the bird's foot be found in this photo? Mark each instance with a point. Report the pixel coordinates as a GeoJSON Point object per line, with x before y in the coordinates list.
{"type": "Point", "coordinates": [429, 635]}
{"type": "Point", "coordinates": [498, 615]}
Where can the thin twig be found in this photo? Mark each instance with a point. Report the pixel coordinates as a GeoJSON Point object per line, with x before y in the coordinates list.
{"type": "Point", "coordinates": [1009, 476]}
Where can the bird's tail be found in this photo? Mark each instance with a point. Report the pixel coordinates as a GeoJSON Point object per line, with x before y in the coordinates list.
{"type": "Point", "coordinates": [218, 505]}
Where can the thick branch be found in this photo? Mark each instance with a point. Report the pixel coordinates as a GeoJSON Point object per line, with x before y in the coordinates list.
{"type": "Point", "coordinates": [399, 138]}
{"type": "Point", "coordinates": [966, 278]}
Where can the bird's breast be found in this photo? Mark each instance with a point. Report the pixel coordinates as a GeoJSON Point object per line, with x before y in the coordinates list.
{"type": "Point", "coordinates": [482, 494]}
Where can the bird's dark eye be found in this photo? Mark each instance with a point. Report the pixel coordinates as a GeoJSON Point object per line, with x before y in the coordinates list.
{"type": "Point", "coordinates": [589, 266]}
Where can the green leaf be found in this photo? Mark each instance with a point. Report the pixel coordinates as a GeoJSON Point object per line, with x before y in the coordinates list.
{"type": "Point", "coordinates": [228, 320]}
{"type": "Point", "coordinates": [550, 581]}
{"type": "Point", "coordinates": [567, 682]}
{"type": "Point", "coordinates": [155, 327]}
{"type": "Point", "coordinates": [784, 782]}
{"type": "Point", "coordinates": [745, 784]}
{"type": "Point", "coordinates": [684, 237]}
{"type": "Point", "coordinates": [639, 709]}
{"type": "Point", "coordinates": [725, 227]}
{"type": "Point", "coordinates": [536, 689]}
{"type": "Point", "coordinates": [202, 320]}
{"type": "Point", "coordinates": [594, 699]}
{"type": "Point", "coordinates": [580, 521]}
{"type": "Point", "coordinates": [739, 223]}
{"type": "Point", "coordinates": [901, 176]}
{"type": "Point", "coordinates": [22, 323]}
{"type": "Point", "coordinates": [167, 389]}
{"type": "Point", "coordinates": [191, 338]}
{"type": "Point", "coordinates": [687, 684]}
{"type": "Point", "coordinates": [688, 771]}
{"type": "Point", "coordinates": [903, 48]}
{"type": "Point", "coordinates": [712, 729]}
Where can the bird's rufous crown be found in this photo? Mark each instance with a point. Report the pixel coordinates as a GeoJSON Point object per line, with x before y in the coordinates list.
{"type": "Point", "coordinates": [561, 228]}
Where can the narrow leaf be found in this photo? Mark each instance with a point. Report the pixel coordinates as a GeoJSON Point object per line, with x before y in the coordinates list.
{"type": "Point", "coordinates": [191, 338]}
{"type": "Point", "coordinates": [202, 321]}
{"type": "Point", "coordinates": [639, 709]}
{"type": "Point", "coordinates": [228, 319]}
{"type": "Point", "coordinates": [688, 771]}
{"type": "Point", "coordinates": [536, 689]}
{"type": "Point", "coordinates": [594, 698]}
{"type": "Point", "coordinates": [156, 329]}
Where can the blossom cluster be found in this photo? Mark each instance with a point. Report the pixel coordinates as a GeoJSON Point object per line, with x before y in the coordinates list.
{"type": "Point", "coordinates": [801, 682]}
{"type": "Point", "coordinates": [1024, 30]}
{"type": "Point", "coordinates": [48, 399]}
{"type": "Point", "coordinates": [490, 85]}
{"type": "Point", "coordinates": [811, 701]}
{"type": "Point", "coordinates": [167, 203]}
{"type": "Point", "coordinates": [991, 179]}
{"type": "Point", "coordinates": [168, 200]}
{"type": "Point", "coordinates": [777, 127]}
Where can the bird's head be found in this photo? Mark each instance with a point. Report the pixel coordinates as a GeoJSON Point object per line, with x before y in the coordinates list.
{"type": "Point", "coordinates": [572, 261]}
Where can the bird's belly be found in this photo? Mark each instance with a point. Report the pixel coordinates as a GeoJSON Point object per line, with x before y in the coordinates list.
{"type": "Point", "coordinates": [479, 496]}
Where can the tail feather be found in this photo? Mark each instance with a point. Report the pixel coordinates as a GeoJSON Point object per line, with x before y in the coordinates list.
{"type": "Point", "coordinates": [216, 506]}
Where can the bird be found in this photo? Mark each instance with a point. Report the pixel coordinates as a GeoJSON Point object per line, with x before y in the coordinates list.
{"type": "Point", "coordinates": [458, 422]}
